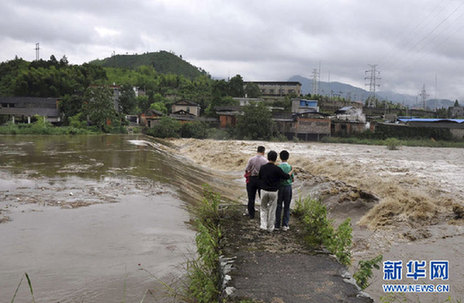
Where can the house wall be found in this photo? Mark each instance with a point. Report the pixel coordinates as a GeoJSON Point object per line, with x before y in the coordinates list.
{"type": "Point", "coordinates": [309, 105]}
{"type": "Point", "coordinates": [342, 128]}
{"type": "Point", "coordinates": [278, 88]}
{"type": "Point", "coordinates": [225, 121]}
{"type": "Point", "coordinates": [194, 110]}
{"type": "Point", "coordinates": [457, 133]}
{"type": "Point", "coordinates": [312, 126]}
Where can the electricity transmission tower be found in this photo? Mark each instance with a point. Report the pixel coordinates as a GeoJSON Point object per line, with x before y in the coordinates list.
{"type": "Point", "coordinates": [37, 52]}
{"type": "Point", "coordinates": [315, 88]}
{"type": "Point", "coordinates": [373, 76]}
{"type": "Point", "coordinates": [423, 94]}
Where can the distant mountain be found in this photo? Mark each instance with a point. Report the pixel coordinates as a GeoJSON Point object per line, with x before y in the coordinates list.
{"type": "Point", "coordinates": [358, 94]}
{"type": "Point", "coordinates": [163, 62]}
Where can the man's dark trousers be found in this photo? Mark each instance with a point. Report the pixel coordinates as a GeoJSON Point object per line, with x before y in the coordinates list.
{"type": "Point", "coordinates": [285, 196]}
{"type": "Point", "coordinates": [252, 188]}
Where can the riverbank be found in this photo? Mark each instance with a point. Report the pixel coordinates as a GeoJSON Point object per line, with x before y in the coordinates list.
{"type": "Point", "coordinates": [279, 266]}
{"type": "Point", "coordinates": [414, 195]}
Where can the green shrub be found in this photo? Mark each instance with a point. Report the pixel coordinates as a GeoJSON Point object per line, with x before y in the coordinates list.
{"type": "Point", "coordinates": [392, 143]}
{"type": "Point", "coordinates": [319, 230]}
{"type": "Point", "coordinates": [165, 128]}
{"type": "Point", "coordinates": [364, 272]}
{"type": "Point", "coordinates": [194, 129]}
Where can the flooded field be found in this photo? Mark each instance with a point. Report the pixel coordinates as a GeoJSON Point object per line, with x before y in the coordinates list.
{"type": "Point", "coordinates": [415, 213]}
{"type": "Point", "coordinates": [90, 217]}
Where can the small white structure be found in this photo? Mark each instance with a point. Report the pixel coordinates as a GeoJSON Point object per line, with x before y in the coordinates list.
{"type": "Point", "coordinates": [351, 113]}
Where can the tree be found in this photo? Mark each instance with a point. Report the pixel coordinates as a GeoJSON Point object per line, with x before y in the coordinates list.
{"type": "Point", "coordinates": [99, 106]}
{"type": "Point", "coordinates": [165, 128]}
{"type": "Point", "coordinates": [252, 90]}
{"type": "Point", "coordinates": [236, 86]}
{"type": "Point", "coordinates": [195, 129]}
{"type": "Point", "coordinates": [256, 122]}
{"type": "Point", "coordinates": [70, 105]}
{"type": "Point", "coordinates": [127, 100]}
{"type": "Point", "coordinates": [159, 106]}
{"type": "Point", "coordinates": [456, 103]}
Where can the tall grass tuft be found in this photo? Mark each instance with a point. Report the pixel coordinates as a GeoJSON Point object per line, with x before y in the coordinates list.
{"type": "Point", "coordinates": [19, 284]}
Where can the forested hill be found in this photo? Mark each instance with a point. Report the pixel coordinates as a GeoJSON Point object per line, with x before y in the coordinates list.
{"type": "Point", "coordinates": [163, 62]}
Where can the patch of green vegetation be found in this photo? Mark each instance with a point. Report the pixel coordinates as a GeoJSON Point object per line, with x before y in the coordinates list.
{"type": "Point", "coordinates": [319, 230]}
{"type": "Point", "coordinates": [392, 143]}
{"type": "Point", "coordinates": [364, 272]}
{"type": "Point", "coordinates": [400, 142]}
{"type": "Point", "coordinates": [43, 129]}
{"type": "Point", "coordinates": [163, 62]}
{"type": "Point", "coordinates": [203, 272]}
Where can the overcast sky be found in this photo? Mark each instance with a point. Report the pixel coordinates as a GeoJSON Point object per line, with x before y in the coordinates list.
{"type": "Point", "coordinates": [412, 42]}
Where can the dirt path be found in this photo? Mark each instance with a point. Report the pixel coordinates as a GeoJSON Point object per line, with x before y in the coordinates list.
{"type": "Point", "coordinates": [277, 267]}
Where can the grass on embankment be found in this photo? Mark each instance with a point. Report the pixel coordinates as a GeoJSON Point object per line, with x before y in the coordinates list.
{"type": "Point", "coordinates": [48, 129]}
{"type": "Point", "coordinates": [400, 142]}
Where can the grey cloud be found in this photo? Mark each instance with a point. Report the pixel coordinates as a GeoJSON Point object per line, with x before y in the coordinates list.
{"type": "Point", "coordinates": [265, 40]}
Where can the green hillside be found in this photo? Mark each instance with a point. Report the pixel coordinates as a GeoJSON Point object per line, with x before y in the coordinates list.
{"type": "Point", "coordinates": [163, 62]}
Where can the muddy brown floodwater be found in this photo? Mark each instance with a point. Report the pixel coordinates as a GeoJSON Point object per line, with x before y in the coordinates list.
{"type": "Point", "coordinates": [80, 213]}
{"type": "Point", "coordinates": [406, 204]}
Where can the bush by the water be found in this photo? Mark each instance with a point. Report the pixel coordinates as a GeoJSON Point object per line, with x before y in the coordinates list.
{"type": "Point", "coordinates": [319, 230]}
{"type": "Point", "coordinates": [392, 143]}
{"type": "Point", "coordinates": [41, 127]}
{"type": "Point", "coordinates": [364, 272]}
{"type": "Point", "coordinates": [165, 128]}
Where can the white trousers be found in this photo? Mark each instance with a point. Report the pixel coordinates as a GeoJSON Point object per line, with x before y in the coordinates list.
{"type": "Point", "coordinates": [268, 209]}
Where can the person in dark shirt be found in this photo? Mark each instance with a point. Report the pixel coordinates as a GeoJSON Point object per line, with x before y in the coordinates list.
{"type": "Point", "coordinates": [270, 177]}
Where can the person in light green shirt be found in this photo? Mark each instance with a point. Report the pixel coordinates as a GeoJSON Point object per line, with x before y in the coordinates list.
{"type": "Point", "coordinates": [285, 194]}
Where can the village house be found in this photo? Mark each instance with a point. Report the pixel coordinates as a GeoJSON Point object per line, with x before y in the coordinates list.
{"type": "Point", "coordinates": [456, 111]}
{"type": "Point", "coordinates": [304, 106]}
{"type": "Point", "coordinates": [23, 109]}
{"type": "Point", "coordinates": [277, 88]}
{"type": "Point", "coordinates": [228, 115]}
{"type": "Point", "coordinates": [150, 118]}
{"type": "Point", "coordinates": [311, 126]}
{"type": "Point", "coordinates": [455, 126]}
{"type": "Point", "coordinates": [186, 108]}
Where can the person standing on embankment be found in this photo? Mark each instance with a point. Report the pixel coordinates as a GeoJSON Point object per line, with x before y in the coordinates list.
{"type": "Point", "coordinates": [252, 186]}
{"type": "Point", "coordinates": [270, 177]}
{"type": "Point", "coordinates": [285, 194]}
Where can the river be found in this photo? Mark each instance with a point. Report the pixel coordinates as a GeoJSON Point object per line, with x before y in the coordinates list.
{"type": "Point", "coordinates": [93, 218]}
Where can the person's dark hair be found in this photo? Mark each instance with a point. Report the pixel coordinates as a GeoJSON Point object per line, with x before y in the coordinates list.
{"type": "Point", "coordinates": [272, 156]}
{"type": "Point", "coordinates": [261, 149]}
{"type": "Point", "coordinates": [284, 155]}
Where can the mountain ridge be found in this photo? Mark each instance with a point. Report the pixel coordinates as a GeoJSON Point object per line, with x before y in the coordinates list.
{"type": "Point", "coordinates": [164, 62]}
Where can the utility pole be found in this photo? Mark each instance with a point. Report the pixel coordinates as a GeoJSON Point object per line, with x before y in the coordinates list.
{"type": "Point", "coordinates": [373, 76]}
{"type": "Point", "coordinates": [37, 52]}
{"type": "Point", "coordinates": [423, 95]}
{"type": "Point", "coordinates": [315, 89]}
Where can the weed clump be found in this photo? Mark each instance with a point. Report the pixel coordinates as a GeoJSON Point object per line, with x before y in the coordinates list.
{"type": "Point", "coordinates": [203, 272]}
{"type": "Point", "coordinates": [364, 272]}
{"type": "Point", "coordinates": [319, 230]}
